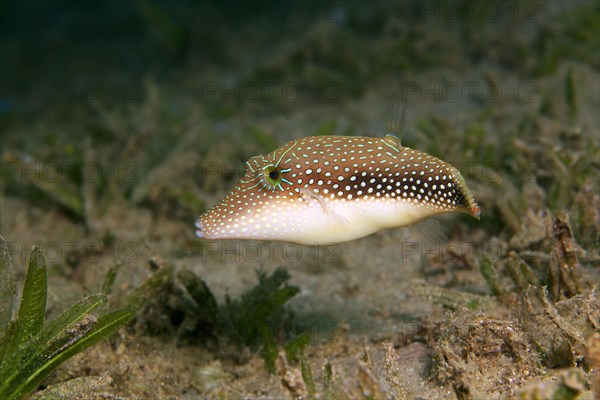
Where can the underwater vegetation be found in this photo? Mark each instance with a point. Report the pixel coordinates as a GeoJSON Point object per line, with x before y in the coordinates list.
{"type": "Point", "coordinates": [544, 272]}
{"type": "Point", "coordinates": [31, 347]}
{"type": "Point", "coordinates": [194, 314]}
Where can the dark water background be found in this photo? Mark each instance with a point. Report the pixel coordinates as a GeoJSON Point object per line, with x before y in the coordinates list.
{"type": "Point", "coordinates": [122, 121]}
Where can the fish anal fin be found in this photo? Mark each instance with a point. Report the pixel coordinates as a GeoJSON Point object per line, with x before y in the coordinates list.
{"type": "Point", "coordinates": [432, 230]}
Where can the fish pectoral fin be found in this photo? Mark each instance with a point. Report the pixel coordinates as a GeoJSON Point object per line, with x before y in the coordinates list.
{"type": "Point", "coordinates": [308, 196]}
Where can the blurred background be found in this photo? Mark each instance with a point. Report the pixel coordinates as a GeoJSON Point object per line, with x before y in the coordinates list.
{"type": "Point", "coordinates": [122, 121]}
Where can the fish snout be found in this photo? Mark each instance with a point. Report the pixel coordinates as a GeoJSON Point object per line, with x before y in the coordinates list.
{"type": "Point", "coordinates": [200, 231]}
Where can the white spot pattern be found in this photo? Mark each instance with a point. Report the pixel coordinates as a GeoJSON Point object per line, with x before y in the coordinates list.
{"type": "Point", "coordinates": [396, 178]}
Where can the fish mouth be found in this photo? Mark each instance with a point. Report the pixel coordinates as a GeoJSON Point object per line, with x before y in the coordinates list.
{"type": "Point", "coordinates": [200, 231]}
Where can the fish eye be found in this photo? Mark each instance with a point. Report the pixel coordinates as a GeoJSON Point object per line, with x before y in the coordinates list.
{"type": "Point", "coordinates": [273, 175]}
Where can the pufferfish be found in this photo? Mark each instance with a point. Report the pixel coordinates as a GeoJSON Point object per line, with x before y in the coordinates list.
{"type": "Point", "coordinates": [331, 189]}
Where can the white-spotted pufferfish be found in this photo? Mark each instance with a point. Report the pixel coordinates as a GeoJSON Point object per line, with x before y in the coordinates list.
{"type": "Point", "coordinates": [329, 189]}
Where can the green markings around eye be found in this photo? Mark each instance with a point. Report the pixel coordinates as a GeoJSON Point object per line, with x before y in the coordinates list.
{"type": "Point", "coordinates": [272, 176]}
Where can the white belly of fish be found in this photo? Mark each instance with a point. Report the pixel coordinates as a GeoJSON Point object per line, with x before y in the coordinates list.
{"type": "Point", "coordinates": [338, 221]}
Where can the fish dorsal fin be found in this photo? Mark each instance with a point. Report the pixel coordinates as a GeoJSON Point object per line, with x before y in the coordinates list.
{"type": "Point", "coordinates": [395, 118]}
{"type": "Point", "coordinates": [393, 142]}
